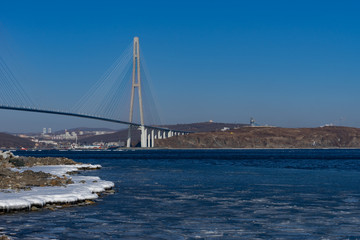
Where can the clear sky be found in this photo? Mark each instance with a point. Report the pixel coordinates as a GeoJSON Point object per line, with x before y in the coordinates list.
{"type": "Point", "coordinates": [285, 63]}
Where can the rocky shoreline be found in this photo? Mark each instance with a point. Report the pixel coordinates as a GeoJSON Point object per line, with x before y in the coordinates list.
{"type": "Point", "coordinates": [267, 138]}
{"type": "Point", "coordinates": [31, 184]}
{"type": "Point", "coordinates": [14, 180]}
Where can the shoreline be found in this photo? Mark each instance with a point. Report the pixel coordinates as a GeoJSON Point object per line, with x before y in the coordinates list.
{"type": "Point", "coordinates": [163, 148]}
{"type": "Point", "coordinates": [330, 148]}
{"type": "Point", "coordinates": [169, 148]}
{"type": "Point", "coordinates": [77, 190]}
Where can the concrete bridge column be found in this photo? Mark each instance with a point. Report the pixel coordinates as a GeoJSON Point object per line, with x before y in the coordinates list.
{"type": "Point", "coordinates": [164, 135]}
{"type": "Point", "coordinates": [148, 140]}
{"type": "Point", "coordinates": [143, 136]}
{"type": "Point", "coordinates": [152, 138]}
{"type": "Point", "coordinates": [128, 142]}
{"type": "Point", "coordinates": [159, 134]}
{"type": "Point", "coordinates": [146, 133]}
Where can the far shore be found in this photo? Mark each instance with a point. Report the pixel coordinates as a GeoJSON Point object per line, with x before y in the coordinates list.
{"type": "Point", "coordinates": [170, 148]}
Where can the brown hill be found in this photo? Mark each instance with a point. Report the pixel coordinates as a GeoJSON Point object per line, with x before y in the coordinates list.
{"type": "Point", "coordinates": [203, 126]}
{"type": "Point", "coordinates": [112, 137]}
{"type": "Point", "coordinates": [268, 137]}
{"type": "Point", "coordinates": [10, 141]}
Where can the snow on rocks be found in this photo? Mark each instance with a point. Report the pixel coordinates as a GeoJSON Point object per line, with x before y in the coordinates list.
{"type": "Point", "coordinates": [83, 188]}
{"type": "Point", "coordinates": [59, 170]}
{"type": "Point", "coordinates": [7, 154]}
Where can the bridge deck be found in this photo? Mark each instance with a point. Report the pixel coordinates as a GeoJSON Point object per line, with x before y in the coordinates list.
{"type": "Point", "coordinates": [84, 116]}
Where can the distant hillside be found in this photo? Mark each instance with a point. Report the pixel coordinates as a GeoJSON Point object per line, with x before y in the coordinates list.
{"type": "Point", "coordinates": [268, 137]}
{"type": "Point", "coordinates": [10, 141]}
{"type": "Point", "coordinates": [204, 126]}
{"type": "Point", "coordinates": [191, 127]}
{"type": "Point", "coordinates": [111, 137]}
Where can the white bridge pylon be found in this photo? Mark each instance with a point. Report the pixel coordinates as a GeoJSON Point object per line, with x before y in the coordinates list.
{"type": "Point", "coordinates": [148, 134]}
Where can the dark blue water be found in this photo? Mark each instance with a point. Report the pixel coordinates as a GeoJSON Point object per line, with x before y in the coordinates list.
{"type": "Point", "coordinates": [209, 194]}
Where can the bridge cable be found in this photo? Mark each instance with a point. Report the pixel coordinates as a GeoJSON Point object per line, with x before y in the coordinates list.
{"type": "Point", "coordinates": [13, 87]}
{"type": "Point", "coordinates": [100, 98]}
{"type": "Point", "coordinates": [152, 102]}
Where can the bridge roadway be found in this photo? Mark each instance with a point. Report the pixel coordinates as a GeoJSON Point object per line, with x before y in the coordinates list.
{"type": "Point", "coordinates": [147, 141]}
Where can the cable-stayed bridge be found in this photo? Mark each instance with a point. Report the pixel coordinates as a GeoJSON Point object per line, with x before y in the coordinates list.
{"type": "Point", "coordinates": [101, 102]}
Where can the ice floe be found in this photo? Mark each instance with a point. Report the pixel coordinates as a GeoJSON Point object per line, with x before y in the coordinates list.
{"type": "Point", "coordinates": [83, 188]}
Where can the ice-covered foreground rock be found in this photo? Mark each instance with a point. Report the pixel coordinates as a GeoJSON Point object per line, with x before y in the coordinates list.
{"type": "Point", "coordinates": [7, 154]}
{"type": "Point", "coordinates": [83, 188]}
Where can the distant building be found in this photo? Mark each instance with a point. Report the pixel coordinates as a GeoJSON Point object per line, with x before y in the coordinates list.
{"type": "Point", "coordinates": [101, 132]}
{"type": "Point", "coordinates": [252, 122]}
{"type": "Point", "coordinates": [117, 144]}
{"type": "Point", "coordinates": [327, 125]}
{"type": "Point", "coordinates": [23, 136]}
{"type": "Point", "coordinates": [66, 136]}
{"type": "Point", "coordinates": [48, 142]}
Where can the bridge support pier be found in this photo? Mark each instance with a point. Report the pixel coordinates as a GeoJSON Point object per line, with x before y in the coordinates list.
{"type": "Point", "coordinates": [143, 138]}
{"type": "Point", "coordinates": [152, 138]}
{"type": "Point", "coordinates": [128, 142]}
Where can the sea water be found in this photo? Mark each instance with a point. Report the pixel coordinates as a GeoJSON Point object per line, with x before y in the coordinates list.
{"type": "Point", "coordinates": [208, 194]}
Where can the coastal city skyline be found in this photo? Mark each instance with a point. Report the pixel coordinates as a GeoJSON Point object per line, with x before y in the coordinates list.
{"type": "Point", "coordinates": [287, 65]}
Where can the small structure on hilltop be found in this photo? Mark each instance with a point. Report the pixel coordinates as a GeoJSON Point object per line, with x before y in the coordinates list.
{"type": "Point", "coordinates": [252, 122]}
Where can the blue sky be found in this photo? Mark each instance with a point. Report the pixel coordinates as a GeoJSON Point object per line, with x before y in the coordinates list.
{"type": "Point", "coordinates": [285, 63]}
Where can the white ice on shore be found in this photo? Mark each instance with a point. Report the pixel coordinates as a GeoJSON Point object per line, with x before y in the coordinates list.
{"type": "Point", "coordinates": [84, 187]}
{"type": "Point", "coordinates": [58, 170]}
{"type": "Point", "coordinates": [7, 154]}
